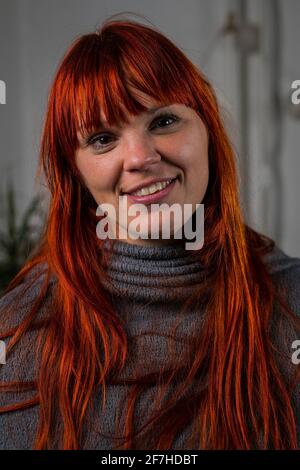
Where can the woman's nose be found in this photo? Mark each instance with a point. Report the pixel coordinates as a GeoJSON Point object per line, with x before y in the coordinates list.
{"type": "Point", "coordinates": [140, 154]}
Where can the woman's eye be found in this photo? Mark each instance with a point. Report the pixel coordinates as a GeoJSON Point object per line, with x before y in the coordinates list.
{"type": "Point", "coordinates": [166, 118]}
{"type": "Point", "coordinates": [98, 142]}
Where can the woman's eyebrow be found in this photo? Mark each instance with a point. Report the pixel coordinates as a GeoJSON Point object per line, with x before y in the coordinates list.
{"type": "Point", "coordinates": [153, 110]}
{"type": "Point", "coordinates": [104, 124]}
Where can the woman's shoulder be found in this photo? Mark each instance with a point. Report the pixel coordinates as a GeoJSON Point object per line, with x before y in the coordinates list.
{"type": "Point", "coordinates": [285, 272]}
{"type": "Point", "coordinates": [15, 303]}
{"type": "Point", "coordinates": [280, 262]}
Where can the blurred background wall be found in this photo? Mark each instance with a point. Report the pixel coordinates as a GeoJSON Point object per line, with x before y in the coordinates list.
{"type": "Point", "coordinates": [247, 48]}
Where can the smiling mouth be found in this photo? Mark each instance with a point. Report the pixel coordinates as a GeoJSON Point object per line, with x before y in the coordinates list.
{"type": "Point", "coordinates": [156, 196]}
{"type": "Point", "coordinates": [152, 189]}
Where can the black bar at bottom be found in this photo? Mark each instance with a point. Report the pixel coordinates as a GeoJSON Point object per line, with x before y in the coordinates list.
{"type": "Point", "coordinates": [139, 458]}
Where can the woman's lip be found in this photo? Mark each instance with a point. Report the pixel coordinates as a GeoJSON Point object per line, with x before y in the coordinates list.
{"type": "Point", "coordinates": [152, 198]}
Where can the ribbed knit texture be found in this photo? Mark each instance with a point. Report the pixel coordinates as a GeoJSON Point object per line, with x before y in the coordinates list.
{"type": "Point", "coordinates": [160, 273]}
{"type": "Point", "coordinates": [147, 286]}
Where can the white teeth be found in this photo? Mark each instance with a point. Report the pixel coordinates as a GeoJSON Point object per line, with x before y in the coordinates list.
{"type": "Point", "coordinates": [152, 189]}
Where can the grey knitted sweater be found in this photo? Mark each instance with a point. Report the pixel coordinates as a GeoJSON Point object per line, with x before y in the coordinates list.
{"type": "Point", "coordinates": [147, 303]}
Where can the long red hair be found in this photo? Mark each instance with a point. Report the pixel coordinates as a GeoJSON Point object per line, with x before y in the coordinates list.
{"type": "Point", "coordinates": [228, 383]}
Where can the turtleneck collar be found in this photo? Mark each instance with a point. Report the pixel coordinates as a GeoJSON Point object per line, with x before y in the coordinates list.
{"type": "Point", "coordinates": [151, 273]}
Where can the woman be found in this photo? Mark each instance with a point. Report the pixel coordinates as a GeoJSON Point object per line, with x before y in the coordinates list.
{"type": "Point", "coordinates": [139, 343]}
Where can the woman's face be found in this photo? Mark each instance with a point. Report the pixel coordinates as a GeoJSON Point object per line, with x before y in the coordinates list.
{"type": "Point", "coordinates": [156, 146]}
